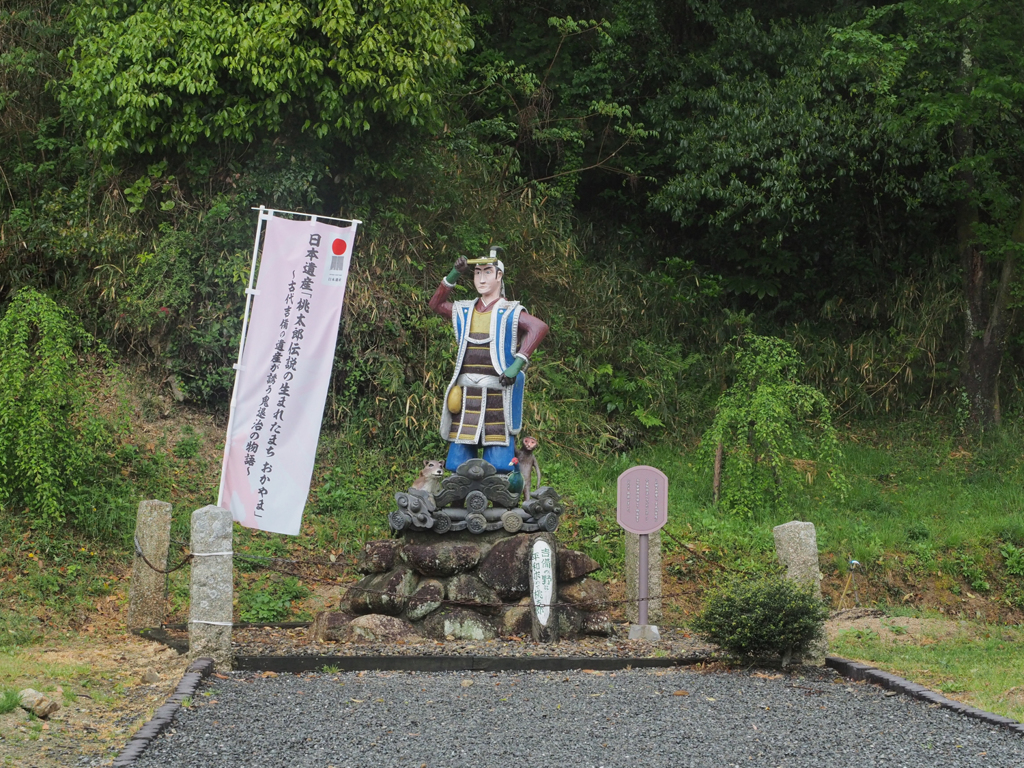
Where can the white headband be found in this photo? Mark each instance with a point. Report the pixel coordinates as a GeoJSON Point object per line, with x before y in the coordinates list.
{"type": "Point", "coordinates": [497, 264]}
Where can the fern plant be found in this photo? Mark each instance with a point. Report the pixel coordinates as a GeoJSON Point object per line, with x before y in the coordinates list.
{"type": "Point", "coordinates": [47, 438]}
{"type": "Point", "coordinates": [774, 431]}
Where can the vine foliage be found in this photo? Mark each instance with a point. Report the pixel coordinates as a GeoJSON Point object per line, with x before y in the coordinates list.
{"type": "Point", "coordinates": [49, 432]}
{"type": "Point", "coordinates": [774, 431]}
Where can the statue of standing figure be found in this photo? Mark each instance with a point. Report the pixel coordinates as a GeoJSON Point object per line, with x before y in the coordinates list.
{"type": "Point", "coordinates": [495, 337]}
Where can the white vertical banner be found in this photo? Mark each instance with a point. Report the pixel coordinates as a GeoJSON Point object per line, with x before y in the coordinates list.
{"type": "Point", "coordinates": [284, 370]}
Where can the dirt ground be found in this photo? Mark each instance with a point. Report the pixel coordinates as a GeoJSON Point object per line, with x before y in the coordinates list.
{"type": "Point", "coordinates": [896, 630]}
{"type": "Point", "coordinates": [104, 699]}
{"type": "Point", "coordinates": [99, 679]}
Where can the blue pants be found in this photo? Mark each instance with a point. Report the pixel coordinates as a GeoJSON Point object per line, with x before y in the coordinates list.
{"type": "Point", "coordinates": [499, 455]}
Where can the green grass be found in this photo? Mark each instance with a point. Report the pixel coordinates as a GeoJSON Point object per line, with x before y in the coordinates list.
{"type": "Point", "coordinates": [925, 506]}
{"type": "Point", "coordinates": [983, 665]}
{"type": "Point", "coordinates": [9, 701]}
{"type": "Point", "coordinates": [921, 504]}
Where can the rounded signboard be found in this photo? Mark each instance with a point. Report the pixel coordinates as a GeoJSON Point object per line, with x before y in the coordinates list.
{"type": "Point", "coordinates": [643, 500]}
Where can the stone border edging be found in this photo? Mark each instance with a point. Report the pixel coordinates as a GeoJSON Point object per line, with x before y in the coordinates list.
{"type": "Point", "coordinates": [855, 670]}
{"type": "Point", "coordinates": [163, 716]}
{"type": "Point", "coordinates": [292, 664]}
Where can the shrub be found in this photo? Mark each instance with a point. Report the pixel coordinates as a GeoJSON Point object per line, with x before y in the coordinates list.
{"type": "Point", "coordinates": [768, 616]}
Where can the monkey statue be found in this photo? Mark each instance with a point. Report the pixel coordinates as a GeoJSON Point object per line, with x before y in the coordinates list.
{"type": "Point", "coordinates": [528, 463]}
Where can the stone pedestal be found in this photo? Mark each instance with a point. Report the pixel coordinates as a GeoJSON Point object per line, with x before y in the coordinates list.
{"type": "Point", "coordinates": [631, 608]}
{"type": "Point", "coordinates": [210, 606]}
{"type": "Point", "coordinates": [796, 544]}
{"type": "Point", "coordinates": [147, 593]}
{"type": "Point", "coordinates": [647, 632]}
{"type": "Point", "coordinates": [470, 586]}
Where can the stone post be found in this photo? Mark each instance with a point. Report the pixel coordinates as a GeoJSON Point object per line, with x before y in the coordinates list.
{"type": "Point", "coordinates": [210, 606]}
{"type": "Point", "coordinates": [633, 577]}
{"type": "Point", "coordinates": [796, 544]}
{"type": "Point", "coordinates": [544, 588]}
{"type": "Point", "coordinates": [147, 591]}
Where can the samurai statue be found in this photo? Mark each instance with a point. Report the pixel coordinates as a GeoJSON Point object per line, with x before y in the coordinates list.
{"type": "Point", "coordinates": [495, 338]}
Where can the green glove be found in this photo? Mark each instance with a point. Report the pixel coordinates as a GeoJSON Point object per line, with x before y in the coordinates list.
{"type": "Point", "coordinates": [461, 267]}
{"type": "Point", "coordinates": [509, 376]}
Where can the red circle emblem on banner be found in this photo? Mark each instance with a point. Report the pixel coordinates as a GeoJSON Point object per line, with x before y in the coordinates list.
{"type": "Point", "coordinates": [339, 246]}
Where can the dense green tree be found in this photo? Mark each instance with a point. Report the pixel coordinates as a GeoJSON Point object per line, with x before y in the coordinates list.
{"type": "Point", "coordinates": [166, 74]}
{"type": "Point", "coordinates": [951, 72]}
{"type": "Point", "coordinates": [829, 167]}
{"type": "Point", "coordinates": [820, 157]}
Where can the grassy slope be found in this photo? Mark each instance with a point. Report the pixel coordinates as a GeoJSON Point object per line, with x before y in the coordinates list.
{"type": "Point", "coordinates": [934, 521]}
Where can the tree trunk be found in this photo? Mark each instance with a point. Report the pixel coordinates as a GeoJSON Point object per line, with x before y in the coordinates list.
{"type": "Point", "coordinates": [716, 484]}
{"type": "Point", "coordinates": [986, 319]}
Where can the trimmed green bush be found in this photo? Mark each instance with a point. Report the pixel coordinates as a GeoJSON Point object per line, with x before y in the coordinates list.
{"type": "Point", "coordinates": [763, 617]}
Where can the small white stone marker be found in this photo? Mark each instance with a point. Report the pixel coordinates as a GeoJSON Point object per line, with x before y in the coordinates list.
{"type": "Point", "coordinates": [542, 589]}
{"type": "Point", "coordinates": [796, 544]}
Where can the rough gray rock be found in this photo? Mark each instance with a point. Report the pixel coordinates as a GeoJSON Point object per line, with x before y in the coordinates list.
{"type": "Point", "coordinates": [425, 600]}
{"type": "Point", "coordinates": [573, 565]}
{"type": "Point", "coordinates": [598, 623]}
{"type": "Point", "coordinates": [36, 703]}
{"type": "Point", "coordinates": [472, 593]}
{"type": "Point", "coordinates": [506, 569]}
{"type": "Point", "coordinates": [375, 628]}
{"type": "Point", "coordinates": [570, 622]}
{"type": "Point", "coordinates": [379, 556]}
{"type": "Point", "coordinates": [586, 594]}
{"type": "Point", "coordinates": [384, 592]}
{"type": "Point", "coordinates": [459, 624]}
{"type": "Point", "coordinates": [444, 558]}
{"type": "Point", "coordinates": [516, 621]}
{"type": "Point", "coordinates": [329, 626]}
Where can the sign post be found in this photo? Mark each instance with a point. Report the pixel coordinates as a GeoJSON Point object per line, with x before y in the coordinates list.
{"type": "Point", "coordinates": [643, 509]}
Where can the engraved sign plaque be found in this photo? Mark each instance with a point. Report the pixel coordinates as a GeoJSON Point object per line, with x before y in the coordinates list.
{"type": "Point", "coordinates": [643, 500]}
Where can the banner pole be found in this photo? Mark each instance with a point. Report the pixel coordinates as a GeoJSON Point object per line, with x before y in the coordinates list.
{"type": "Point", "coordinates": [272, 211]}
{"type": "Point", "coordinates": [249, 293]}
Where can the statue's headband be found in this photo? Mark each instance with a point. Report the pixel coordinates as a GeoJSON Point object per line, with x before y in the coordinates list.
{"type": "Point", "coordinates": [491, 258]}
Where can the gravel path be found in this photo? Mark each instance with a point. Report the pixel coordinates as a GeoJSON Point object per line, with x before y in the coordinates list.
{"type": "Point", "coordinates": [633, 718]}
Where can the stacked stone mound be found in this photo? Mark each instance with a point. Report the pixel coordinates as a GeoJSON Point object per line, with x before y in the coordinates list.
{"type": "Point", "coordinates": [462, 586]}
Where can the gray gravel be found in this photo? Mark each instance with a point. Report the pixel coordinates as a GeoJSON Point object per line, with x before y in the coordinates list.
{"type": "Point", "coordinates": [634, 718]}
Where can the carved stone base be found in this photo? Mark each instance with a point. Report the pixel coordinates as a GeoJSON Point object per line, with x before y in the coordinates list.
{"type": "Point", "coordinates": [466, 586]}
